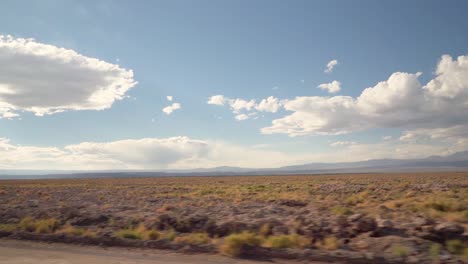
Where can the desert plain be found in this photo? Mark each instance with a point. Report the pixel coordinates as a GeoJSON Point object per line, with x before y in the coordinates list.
{"type": "Point", "coordinates": [345, 218]}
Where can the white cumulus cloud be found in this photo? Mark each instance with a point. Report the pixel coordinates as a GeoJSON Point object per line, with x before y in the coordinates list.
{"type": "Point", "coordinates": [45, 79]}
{"type": "Point", "coordinates": [244, 109]}
{"type": "Point", "coordinates": [342, 143]}
{"type": "Point", "coordinates": [332, 87]}
{"type": "Point", "coordinates": [171, 108]}
{"type": "Point", "coordinates": [270, 104]}
{"type": "Point", "coordinates": [401, 101]}
{"type": "Point", "coordinates": [331, 65]}
{"type": "Point", "coordinates": [217, 100]}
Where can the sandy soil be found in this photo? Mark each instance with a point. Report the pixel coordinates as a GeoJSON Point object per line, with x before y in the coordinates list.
{"type": "Point", "coordinates": [26, 252]}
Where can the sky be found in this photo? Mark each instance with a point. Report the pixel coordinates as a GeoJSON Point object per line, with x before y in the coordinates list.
{"type": "Point", "coordinates": [98, 85]}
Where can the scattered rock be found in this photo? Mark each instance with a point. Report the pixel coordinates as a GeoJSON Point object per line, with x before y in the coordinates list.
{"type": "Point", "coordinates": [361, 244]}
{"type": "Point", "coordinates": [355, 217]}
{"type": "Point", "coordinates": [366, 224]}
{"type": "Point", "coordinates": [384, 223]}
{"type": "Point", "coordinates": [89, 220]}
{"type": "Point", "coordinates": [449, 230]}
{"type": "Point", "coordinates": [292, 203]}
{"type": "Point", "coordinates": [342, 221]}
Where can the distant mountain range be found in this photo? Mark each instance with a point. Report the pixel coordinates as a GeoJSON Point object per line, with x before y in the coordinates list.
{"type": "Point", "coordinates": [455, 162]}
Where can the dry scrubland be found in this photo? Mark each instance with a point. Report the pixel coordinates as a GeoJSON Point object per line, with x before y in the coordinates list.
{"type": "Point", "coordinates": [361, 218]}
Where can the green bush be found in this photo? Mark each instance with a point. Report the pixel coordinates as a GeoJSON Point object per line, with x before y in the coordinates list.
{"type": "Point", "coordinates": [8, 227]}
{"type": "Point", "coordinates": [27, 224]}
{"type": "Point", "coordinates": [45, 226]}
{"type": "Point", "coordinates": [400, 251]}
{"type": "Point", "coordinates": [435, 249]}
{"type": "Point", "coordinates": [287, 241]}
{"type": "Point", "coordinates": [194, 239]}
{"type": "Point", "coordinates": [454, 246]}
{"type": "Point", "coordinates": [232, 244]}
{"type": "Point", "coordinates": [129, 234]}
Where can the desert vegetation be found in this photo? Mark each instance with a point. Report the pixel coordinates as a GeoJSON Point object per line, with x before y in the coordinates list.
{"type": "Point", "coordinates": [362, 218]}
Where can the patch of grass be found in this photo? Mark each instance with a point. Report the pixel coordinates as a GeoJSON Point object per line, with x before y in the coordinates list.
{"type": "Point", "coordinates": [434, 250]}
{"type": "Point", "coordinates": [8, 227]}
{"type": "Point", "coordinates": [232, 244]}
{"type": "Point", "coordinates": [140, 232]}
{"type": "Point", "coordinates": [194, 239]}
{"type": "Point", "coordinates": [152, 235]}
{"type": "Point", "coordinates": [454, 246]}
{"type": "Point", "coordinates": [171, 235]}
{"type": "Point", "coordinates": [445, 205]}
{"type": "Point", "coordinates": [329, 243]}
{"type": "Point", "coordinates": [287, 241]}
{"type": "Point", "coordinates": [27, 224]}
{"type": "Point", "coordinates": [42, 226]}
{"type": "Point", "coordinates": [45, 226]}
{"type": "Point", "coordinates": [357, 198]}
{"type": "Point", "coordinates": [128, 234]}
{"type": "Point", "coordinates": [465, 254]}
{"type": "Point", "coordinates": [69, 229]}
{"type": "Point", "coordinates": [400, 251]}
{"type": "Point", "coordinates": [340, 210]}
{"type": "Point", "coordinates": [265, 230]}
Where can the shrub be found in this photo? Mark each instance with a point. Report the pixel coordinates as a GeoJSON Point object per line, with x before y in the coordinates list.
{"type": "Point", "coordinates": [139, 232]}
{"type": "Point", "coordinates": [287, 241]}
{"type": "Point", "coordinates": [465, 254]}
{"type": "Point", "coordinates": [128, 234]}
{"type": "Point", "coordinates": [339, 210]}
{"type": "Point", "coordinates": [152, 235]}
{"type": "Point", "coordinates": [171, 235]}
{"type": "Point", "coordinates": [72, 230]}
{"type": "Point", "coordinates": [46, 225]}
{"type": "Point", "coordinates": [329, 243]}
{"type": "Point", "coordinates": [435, 249]}
{"type": "Point", "coordinates": [8, 227]}
{"type": "Point", "coordinates": [232, 244]}
{"type": "Point", "coordinates": [454, 246]}
{"type": "Point", "coordinates": [265, 230]}
{"type": "Point", "coordinates": [27, 224]}
{"type": "Point", "coordinates": [194, 239]}
{"type": "Point", "coordinates": [400, 251]}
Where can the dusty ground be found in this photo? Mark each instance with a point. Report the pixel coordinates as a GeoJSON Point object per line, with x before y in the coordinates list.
{"type": "Point", "coordinates": [361, 218]}
{"type": "Point", "coordinates": [22, 252]}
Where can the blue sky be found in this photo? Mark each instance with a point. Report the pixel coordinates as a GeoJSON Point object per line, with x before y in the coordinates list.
{"type": "Point", "coordinates": [193, 50]}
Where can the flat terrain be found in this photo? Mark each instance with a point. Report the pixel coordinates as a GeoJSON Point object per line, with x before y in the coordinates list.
{"type": "Point", "coordinates": [367, 218]}
{"type": "Point", "coordinates": [22, 252]}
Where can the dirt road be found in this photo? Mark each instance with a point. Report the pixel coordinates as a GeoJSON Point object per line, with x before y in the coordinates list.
{"type": "Point", "coordinates": [25, 252]}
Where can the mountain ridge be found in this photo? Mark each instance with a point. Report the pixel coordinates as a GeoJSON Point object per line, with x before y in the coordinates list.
{"type": "Point", "coordinates": [453, 162]}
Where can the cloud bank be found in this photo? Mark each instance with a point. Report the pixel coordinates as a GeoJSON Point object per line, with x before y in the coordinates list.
{"type": "Point", "coordinates": [45, 79]}
{"type": "Point", "coordinates": [245, 109]}
{"type": "Point", "coordinates": [401, 101]}
{"type": "Point", "coordinates": [146, 153]}
{"type": "Point", "coordinates": [187, 153]}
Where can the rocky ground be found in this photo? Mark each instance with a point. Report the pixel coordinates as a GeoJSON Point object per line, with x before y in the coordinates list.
{"type": "Point", "coordinates": [361, 218]}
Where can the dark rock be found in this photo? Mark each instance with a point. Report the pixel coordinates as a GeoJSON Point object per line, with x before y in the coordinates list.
{"type": "Point", "coordinates": [384, 223]}
{"type": "Point", "coordinates": [342, 221]}
{"type": "Point", "coordinates": [449, 230]}
{"type": "Point", "coordinates": [89, 220]}
{"type": "Point", "coordinates": [69, 213]}
{"type": "Point", "coordinates": [292, 203]}
{"type": "Point", "coordinates": [230, 227]}
{"type": "Point", "coordinates": [366, 224]}
{"type": "Point", "coordinates": [355, 217]}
